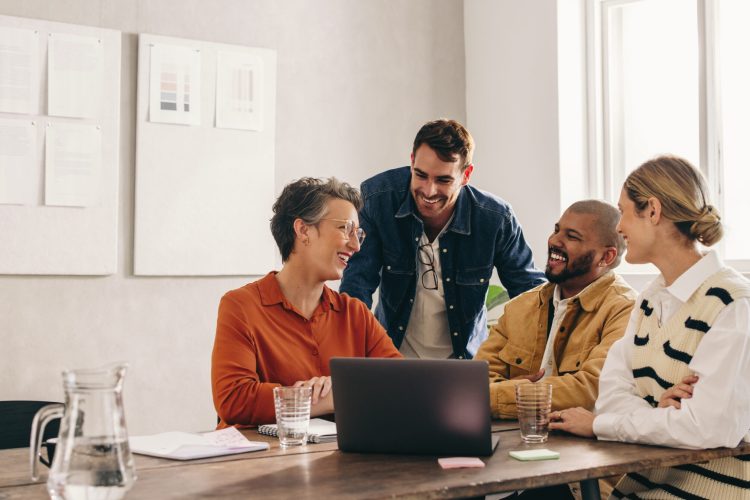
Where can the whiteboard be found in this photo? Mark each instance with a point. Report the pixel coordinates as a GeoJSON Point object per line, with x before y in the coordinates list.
{"type": "Point", "coordinates": [39, 239]}
{"type": "Point", "coordinates": [204, 194]}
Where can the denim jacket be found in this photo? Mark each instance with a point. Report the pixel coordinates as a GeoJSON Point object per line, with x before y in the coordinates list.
{"type": "Point", "coordinates": [483, 234]}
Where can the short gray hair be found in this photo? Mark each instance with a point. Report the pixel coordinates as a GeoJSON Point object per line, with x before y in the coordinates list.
{"type": "Point", "coordinates": [607, 217]}
{"type": "Point", "coordinates": [306, 199]}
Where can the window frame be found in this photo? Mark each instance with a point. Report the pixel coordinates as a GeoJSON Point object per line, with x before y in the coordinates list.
{"type": "Point", "coordinates": [600, 116]}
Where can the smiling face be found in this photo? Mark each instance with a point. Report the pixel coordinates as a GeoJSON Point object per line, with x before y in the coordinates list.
{"type": "Point", "coordinates": [574, 250]}
{"type": "Point", "coordinates": [636, 229]}
{"type": "Point", "coordinates": [435, 185]}
{"type": "Point", "coordinates": [330, 247]}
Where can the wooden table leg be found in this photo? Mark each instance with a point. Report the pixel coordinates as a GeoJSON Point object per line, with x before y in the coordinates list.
{"type": "Point", "coordinates": [590, 489]}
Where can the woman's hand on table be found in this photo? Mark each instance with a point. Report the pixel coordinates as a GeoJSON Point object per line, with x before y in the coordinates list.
{"type": "Point", "coordinates": [321, 386]}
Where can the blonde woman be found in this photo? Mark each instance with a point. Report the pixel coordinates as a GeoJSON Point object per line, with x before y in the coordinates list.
{"type": "Point", "coordinates": [679, 376]}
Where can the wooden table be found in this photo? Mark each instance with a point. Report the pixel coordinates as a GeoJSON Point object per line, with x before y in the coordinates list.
{"type": "Point", "coordinates": [321, 471]}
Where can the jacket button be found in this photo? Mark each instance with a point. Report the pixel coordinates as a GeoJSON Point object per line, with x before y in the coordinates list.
{"type": "Point", "coordinates": [411, 301]}
{"type": "Point", "coordinates": [450, 306]}
{"type": "Point", "coordinates": [447, 279]}
{"type": "Point", "coordinates": [401, 328]}
{"type": "Point", "coordinates": [455, 334]}
{"type": "Point", "coordinates": [519, 361]}
{"type": "Point", "coordinates": [416, 239]}
{"type": "Point", "coordinates": [481, 280]}
{"type": "Point", "coordinates": [461, 357]}
{"type": "Point", "coordinates": [445, 250]}
{"type": "Point", "coordinates": [388, 267]}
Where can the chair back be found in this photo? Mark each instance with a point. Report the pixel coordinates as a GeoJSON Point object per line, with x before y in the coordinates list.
{"type": "Point", "coordinates": [15, 423]}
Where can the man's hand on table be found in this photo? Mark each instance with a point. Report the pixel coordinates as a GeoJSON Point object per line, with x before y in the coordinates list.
{"type": "Point", "coordinates": [578, 421]}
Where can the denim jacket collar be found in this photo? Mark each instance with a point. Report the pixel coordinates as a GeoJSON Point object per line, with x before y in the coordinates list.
{"type": "Point", "coordinates": [461, 222]}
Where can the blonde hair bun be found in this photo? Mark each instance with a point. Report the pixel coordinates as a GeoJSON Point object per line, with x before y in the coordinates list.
{"type": "Point", "coordinates": [707, 229]}
{"type": "Point", "coordinates": [683, 193]}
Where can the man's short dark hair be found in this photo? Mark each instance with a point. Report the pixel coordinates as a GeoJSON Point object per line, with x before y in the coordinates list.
{"type": "Point", "coordinates": [448, 138]}
{"type": "Point", "coordinates": [606, 219]}
{"type": "Point", "coordinates": [306, 199]}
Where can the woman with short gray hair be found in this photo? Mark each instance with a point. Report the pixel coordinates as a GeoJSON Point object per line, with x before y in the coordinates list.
{"type": "Point", "coordinates": [283, 329]}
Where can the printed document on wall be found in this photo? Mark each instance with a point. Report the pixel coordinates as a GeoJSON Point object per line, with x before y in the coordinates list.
{"type": "Point", "coordinates": [175, 85]}
{"type": "Point", "coordinates": [17, 147]}
{"type": "Point", "coordinates": [75, 75]}
{"type": "Point", "coordinates": [239, 91]}
{"type": "Point", "coordinates": [73, 165]}
{"type": "Point", "coordinates": [19, 71]}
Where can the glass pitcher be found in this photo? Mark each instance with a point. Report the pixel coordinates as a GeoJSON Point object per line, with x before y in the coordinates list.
{"type": "Point", "coordinates": [92, 458]}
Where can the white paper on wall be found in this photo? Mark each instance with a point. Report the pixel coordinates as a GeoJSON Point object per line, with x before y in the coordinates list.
{"type": "Point", "coordinates": [175, 85]}
{"type": "Point", "coordinates": [17, 150]}
{"type": "Point", "coordinates": [239, 91]}
{"type": "Point", "coordinates": [75, 75]}
{"type": "Point", "coordinates": [73, 165]}
{"type": "Point", "coordinates": [19, 71]}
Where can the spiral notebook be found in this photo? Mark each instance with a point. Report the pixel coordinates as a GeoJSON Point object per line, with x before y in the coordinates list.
{"type": "Point", "coordinates": [319, 431]}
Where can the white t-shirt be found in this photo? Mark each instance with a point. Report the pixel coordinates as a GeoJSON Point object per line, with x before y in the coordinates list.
{"type": "Point", "coordinates": [560, 307]}
{"type": "Point", "coordinates": [428, 333]}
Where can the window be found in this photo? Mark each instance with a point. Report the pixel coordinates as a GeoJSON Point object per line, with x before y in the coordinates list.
{"type": "Point", "coordinates": [670, 76]}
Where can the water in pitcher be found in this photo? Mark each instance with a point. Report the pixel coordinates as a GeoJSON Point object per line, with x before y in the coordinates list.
{"type": "Point", "coordinates": [95, 472]}
{"type": "Point", "coordinates": [92, 459]}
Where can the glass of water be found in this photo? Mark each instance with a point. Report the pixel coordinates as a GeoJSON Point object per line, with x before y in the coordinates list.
{"type": "Point", "coordinates": [534, 401]}
{"type": "Point", "coordinates": [292, 414]}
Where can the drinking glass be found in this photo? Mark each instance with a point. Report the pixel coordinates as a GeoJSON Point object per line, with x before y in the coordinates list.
{"type": "Point", "coordinates": [534, 402]}
{"type": "Point", "coordinates": [292, 414]}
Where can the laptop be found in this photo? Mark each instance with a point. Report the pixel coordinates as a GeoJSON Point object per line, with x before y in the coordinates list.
{"type": "Point", "coordinates": [412, 406]}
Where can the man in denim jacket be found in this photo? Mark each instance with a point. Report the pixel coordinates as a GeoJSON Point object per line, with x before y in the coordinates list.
{"type": "Point", "coordinates": [432, 242]}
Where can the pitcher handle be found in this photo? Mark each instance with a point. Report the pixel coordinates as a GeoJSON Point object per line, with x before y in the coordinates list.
{"type": "Point", "coordinates": [41, 419]}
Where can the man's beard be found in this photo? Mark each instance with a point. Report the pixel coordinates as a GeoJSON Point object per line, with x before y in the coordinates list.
{"type": "Point", "coordinates": [578, 267]}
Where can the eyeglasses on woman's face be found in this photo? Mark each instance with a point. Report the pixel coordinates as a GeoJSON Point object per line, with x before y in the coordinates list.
{"type": "Point", "coordinates": [350, 229]}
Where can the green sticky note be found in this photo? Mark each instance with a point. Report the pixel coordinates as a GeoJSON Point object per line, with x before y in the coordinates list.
{"type": "Point", "coordinates": [539, 454]}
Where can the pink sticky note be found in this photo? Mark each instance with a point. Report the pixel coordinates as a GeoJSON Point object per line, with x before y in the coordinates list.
{"type": "Point", "coordinates": [459, 462]}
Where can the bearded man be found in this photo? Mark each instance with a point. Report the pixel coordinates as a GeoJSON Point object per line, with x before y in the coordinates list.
{"type": "Point", "coordinates": [561, 331]}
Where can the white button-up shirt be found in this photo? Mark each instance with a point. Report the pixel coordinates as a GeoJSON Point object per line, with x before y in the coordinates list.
{"type": "Point", "coordinates": [718, 414]}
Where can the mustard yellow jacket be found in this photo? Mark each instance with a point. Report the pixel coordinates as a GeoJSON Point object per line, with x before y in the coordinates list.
{"type": "Point", "coordinates": [593, 321]}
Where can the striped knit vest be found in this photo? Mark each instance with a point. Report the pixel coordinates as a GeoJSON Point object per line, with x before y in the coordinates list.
{"type": "Point", "coordinates": [660, 360]}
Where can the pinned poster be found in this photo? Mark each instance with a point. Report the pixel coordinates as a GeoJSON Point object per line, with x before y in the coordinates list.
{"type": "Point", "coordinates": [59, 187]}
{"type": "Point", "coordinates": [239, 91]}
{"type": "Point", "coordinates": [175, 85]}
{"type": "Point", "coordinates": [19, 70]}
{"type": "Point", "coordinates": [17, 147]}
{"type": "Point", "coordinates": [73, 165]}
{"type": "Point", "coordinates": [75, 75]}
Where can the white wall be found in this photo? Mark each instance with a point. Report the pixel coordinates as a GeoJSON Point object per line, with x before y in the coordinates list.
{"type": "Point", "coordinates": [355, 81]}
{"type": "Point", "coordinates": [512, 108]}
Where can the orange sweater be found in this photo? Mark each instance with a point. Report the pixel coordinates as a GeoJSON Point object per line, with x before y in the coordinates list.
{"type": "Point", "coordinates": [262, 342]}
